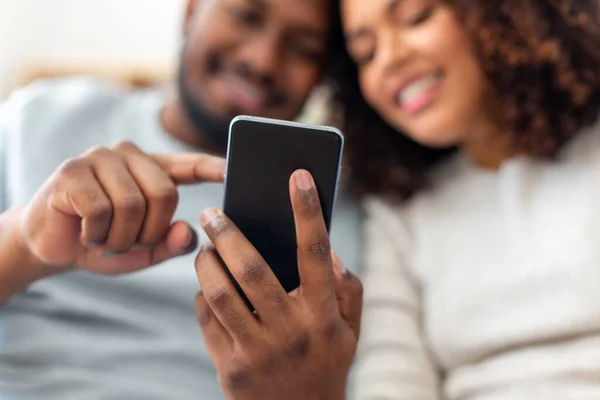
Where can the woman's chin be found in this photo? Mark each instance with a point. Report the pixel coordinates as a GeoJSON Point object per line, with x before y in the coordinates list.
{"type": "Point", "coordinates": [434, 139]}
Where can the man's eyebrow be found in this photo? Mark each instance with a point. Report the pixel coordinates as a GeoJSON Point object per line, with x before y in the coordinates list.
{"type": "Point", "coordinates": [262, 4]}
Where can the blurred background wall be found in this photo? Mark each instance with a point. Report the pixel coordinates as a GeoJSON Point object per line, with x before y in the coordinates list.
{"type": "Point", "coordinates": [131, 41]}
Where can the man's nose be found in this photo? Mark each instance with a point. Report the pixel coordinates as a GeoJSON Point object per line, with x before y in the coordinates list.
{"type": "Point", "coordinates": [261, 57]}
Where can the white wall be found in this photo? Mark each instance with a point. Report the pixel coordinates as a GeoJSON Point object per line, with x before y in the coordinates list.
{"type": "Point", "coordinates": [10, 14]}
{"type": "Point", "coordinates": [86, 32]}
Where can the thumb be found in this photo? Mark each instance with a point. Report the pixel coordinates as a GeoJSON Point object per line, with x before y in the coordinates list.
{"type": "Point", "coordinates": [180, 239]}
{"type": "Point", "coordinates": [349, 292]}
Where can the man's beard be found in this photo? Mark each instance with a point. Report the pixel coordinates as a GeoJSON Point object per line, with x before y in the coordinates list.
{"type": "Point", "coordinates": [213, 128]}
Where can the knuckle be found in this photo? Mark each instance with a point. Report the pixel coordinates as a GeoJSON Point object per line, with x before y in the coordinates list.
{"type": "Point", "coordinates": [235, 376]}
{"type": "Point", "coordinates": [328, 326]}
{"type": "Point", "coordinates": [165, 196]}
{"type": "Point", "coordinates": [310, 205]}
{"type": "Point", "coordinates": [319, 249]}
{"type": "Point", "coordinates": [203, 311]}
{"type": "Point", "coordinates": [71, 166]}
{"type": "Point", "coordinates": [276, 299]}
{"type": "Point", "coordinates": [252, 269]}
{"type": "Point", "coordinates": [220, 298]}
{"type": "Point", "coordinates": [297, 345]}
{"type": "Point", "coordinates": [97, 151]}
{"type": "Point", "coordinates": [124, 146]}
{"type": "Point", "coordinates": [131, 205]}
{"type": "Point", "coordinates": [99, 208]}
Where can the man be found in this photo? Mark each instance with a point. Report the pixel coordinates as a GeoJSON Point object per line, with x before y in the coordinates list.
{"type": "Point", "coordinates": [75, 323]}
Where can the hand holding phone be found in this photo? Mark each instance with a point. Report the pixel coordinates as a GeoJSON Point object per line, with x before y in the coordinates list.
{"type": "Point", "coordinates": [262, 156]}
{"type": "Point", "coordinates": [293, 347]}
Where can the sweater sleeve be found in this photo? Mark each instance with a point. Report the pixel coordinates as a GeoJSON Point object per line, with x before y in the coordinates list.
{"type": "Point", "coordinates": [393, 360]}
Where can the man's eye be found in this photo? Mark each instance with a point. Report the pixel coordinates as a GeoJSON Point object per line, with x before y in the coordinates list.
{"type": "Point", "coordinates": [246, 16]}
{"type": "Point", "coordinates": [305, 51]}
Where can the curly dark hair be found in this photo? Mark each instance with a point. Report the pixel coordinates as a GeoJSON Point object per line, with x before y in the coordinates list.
{"type": "Point", "coordinates": [542, 59]}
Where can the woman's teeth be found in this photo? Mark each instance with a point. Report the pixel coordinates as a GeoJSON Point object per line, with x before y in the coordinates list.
{"type": "Point", "coordinates": [417, 88]}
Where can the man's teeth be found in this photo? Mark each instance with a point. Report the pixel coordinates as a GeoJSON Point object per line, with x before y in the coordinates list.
{"type": "Point", "coordinates": [416, 88]}
{"type": "Point", "coordinates": [250, 90]}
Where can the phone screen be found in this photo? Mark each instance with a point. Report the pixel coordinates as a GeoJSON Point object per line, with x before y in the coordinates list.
{"type": "Point", "coordinates": [262, 156]}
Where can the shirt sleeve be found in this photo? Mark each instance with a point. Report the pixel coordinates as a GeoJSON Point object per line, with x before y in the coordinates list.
{"type": "Point", "coordinates": [393, 361]}
{"type": "Point", "coordinates": [3, 157]}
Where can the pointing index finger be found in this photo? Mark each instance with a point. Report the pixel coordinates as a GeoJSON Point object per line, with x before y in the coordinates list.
{"type": "Point", "coordinates": [190, 168]}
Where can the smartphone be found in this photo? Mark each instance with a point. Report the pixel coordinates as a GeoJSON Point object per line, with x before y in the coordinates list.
{"type": "Point", "coordinates": [262, 154]}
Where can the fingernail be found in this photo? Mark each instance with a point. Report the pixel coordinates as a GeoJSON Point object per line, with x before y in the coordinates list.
{"type": "Point", "coordinates": [142, 247]}
{"type": "Point", "coordinates": [192, 242]}
{"type": "Point", "coordinates": [209, 216]}
{"type": "Point", "coordinates": [304, 180]}
{"type": "Point", "coordinates": [109, 254]}
{"type": "Point", "coordinates": [338, 264]}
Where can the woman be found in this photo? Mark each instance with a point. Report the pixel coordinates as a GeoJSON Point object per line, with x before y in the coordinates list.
{"type": "Point", "coordinates": [477, 121]}
{"type": "Point", "coordinates": [480, 119]}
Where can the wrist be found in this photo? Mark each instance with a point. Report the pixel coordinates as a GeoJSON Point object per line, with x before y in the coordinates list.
{"type": "Point", "coordinates": [19, 267]}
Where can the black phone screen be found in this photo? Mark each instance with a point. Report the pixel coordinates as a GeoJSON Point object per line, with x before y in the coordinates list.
{"type": "Point", "coordinates": [262, 156]}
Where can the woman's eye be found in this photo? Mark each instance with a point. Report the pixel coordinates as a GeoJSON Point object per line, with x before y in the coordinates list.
{"type": "Point", "coordinates": [420, 17]}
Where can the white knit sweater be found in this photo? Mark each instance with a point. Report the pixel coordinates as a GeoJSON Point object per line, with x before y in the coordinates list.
{"type": "Point", "coordinates": [487, 285]}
